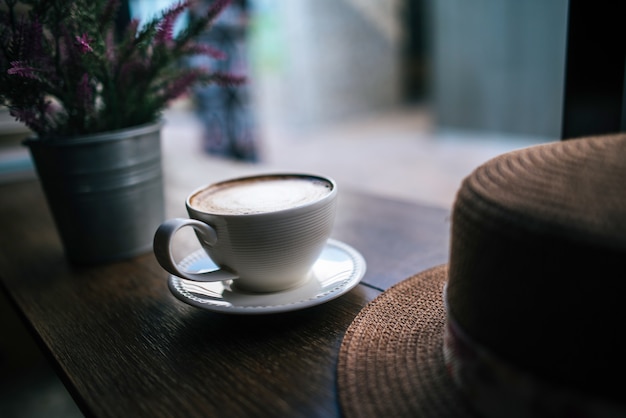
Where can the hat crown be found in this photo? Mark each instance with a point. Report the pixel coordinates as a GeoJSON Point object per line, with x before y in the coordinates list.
{"type": "Point", "coordinates": [537, 261]}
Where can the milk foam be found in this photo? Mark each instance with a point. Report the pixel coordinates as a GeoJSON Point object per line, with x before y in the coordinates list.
{"type": "Point", "coordinates": [260, 195]}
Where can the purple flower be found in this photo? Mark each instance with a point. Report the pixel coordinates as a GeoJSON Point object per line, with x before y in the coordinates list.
{"type": "Point", "coordinates": [22, 69]}
{"type": "Point", "coordinates": [71, 57]}
{"type": "Point", "coordinates": [165, 30]}
{"type": "Point", "coordinates": [224, 79]}
{"type": "Point", "coordinates": [204, 49]}
{"type": "Point", "coordinates": [181, 85]}
{"type": "Point", "coordinates": [83, 43]}
{"type": "Point", "coordinates": [29, 116]}
{"type": "Point", "coordinates": [216, 8]}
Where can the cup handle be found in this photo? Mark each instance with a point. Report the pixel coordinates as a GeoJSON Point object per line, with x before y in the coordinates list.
{"type": "Point", "coordinates": [163, 250]}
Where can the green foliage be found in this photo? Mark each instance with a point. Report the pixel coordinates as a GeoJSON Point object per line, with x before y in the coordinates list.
{"type": "Point", "coordinates": [64, 71]}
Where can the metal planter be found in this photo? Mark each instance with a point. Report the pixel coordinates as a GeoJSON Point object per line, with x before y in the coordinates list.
{"type": "Point", "coordinates": [105, 191]}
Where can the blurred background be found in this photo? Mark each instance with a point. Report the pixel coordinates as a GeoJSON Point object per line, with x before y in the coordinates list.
{"type": "Point", "coordinates": [402, 98]}
{"type": "Point", "coordinates": [363, 89]}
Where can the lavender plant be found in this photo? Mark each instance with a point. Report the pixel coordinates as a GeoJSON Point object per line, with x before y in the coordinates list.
{"type": "Point", "coordinates": [64, 71]}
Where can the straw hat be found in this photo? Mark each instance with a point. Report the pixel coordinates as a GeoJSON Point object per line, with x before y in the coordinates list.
{"type": "Point", "coordinates": [529, 316]}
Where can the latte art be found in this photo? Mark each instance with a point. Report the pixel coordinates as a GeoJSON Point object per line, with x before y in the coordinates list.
{"type": "Point", "coordinates": [260, 195]}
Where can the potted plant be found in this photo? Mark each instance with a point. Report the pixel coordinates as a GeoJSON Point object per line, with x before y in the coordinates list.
{"type": "Point", "coordinates": [93, 96]}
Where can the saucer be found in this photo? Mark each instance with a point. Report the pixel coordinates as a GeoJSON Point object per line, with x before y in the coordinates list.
{"type": "Point", "coordinates": [338, 269]}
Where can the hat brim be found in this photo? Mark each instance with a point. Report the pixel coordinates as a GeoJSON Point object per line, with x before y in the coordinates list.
{"type": "Point", "coordinates": [391, 360]}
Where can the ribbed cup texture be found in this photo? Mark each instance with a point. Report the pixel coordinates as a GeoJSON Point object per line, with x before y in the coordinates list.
{"type": "Point", "coordinates": [274, 246]}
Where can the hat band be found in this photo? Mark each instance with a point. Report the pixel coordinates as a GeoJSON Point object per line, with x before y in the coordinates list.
{"type": "Point", "coordinates": [496, 388]}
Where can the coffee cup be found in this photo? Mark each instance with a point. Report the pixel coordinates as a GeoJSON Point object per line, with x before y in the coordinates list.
{"type": "Point", "coordinates": [264, 232]}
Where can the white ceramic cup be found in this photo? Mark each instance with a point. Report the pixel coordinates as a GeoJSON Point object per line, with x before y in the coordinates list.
{"type": "Point", "coordinates": [264, 232]}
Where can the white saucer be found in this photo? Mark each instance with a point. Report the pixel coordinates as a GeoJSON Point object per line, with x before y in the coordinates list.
{"type": "Point", "coordinates": [338, 269]}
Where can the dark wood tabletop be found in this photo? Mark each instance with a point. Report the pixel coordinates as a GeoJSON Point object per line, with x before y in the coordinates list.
{"type": "Point", "coordinates": [125, 346]}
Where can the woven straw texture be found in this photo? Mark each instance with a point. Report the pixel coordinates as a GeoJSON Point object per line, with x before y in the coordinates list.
{"type": "Point", "coordinates": [391, 360]}
{"type": "Point", "coordinates": [536, 274]}
{"type": "Point", "coordinates": [572, 188]}
{"type": "Point", "coordinates": [536, 270]}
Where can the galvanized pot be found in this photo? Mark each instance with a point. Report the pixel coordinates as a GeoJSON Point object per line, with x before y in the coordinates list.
{"type": "Point", "coordinates": [105, 191]}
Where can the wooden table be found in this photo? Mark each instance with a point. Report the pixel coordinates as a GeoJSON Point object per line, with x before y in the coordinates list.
{"type": "Point", "coordinates": [124, 346]}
